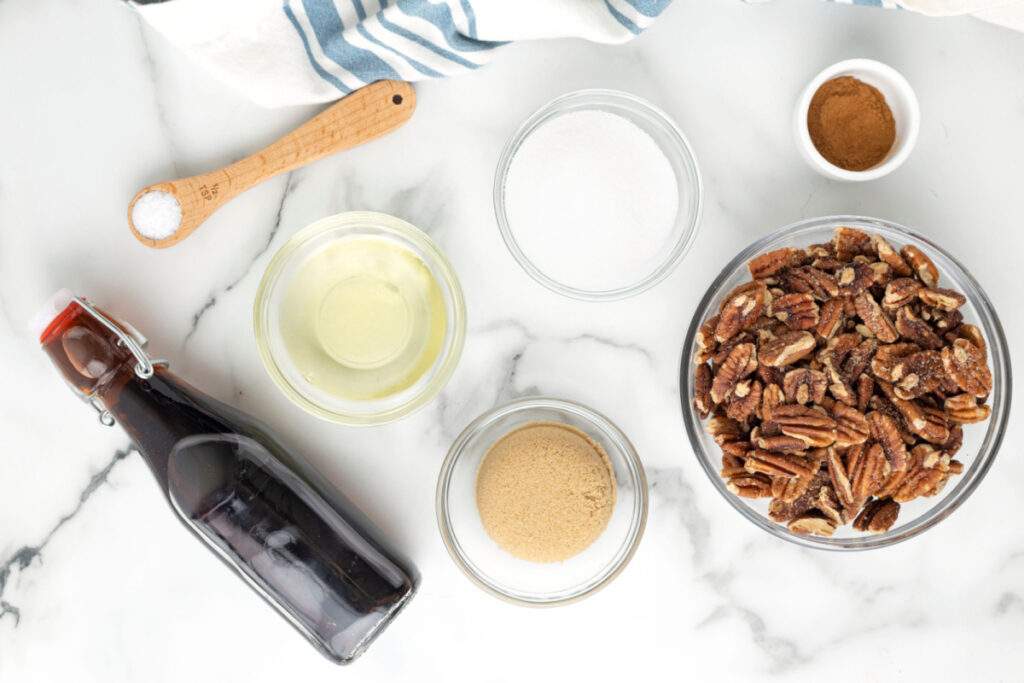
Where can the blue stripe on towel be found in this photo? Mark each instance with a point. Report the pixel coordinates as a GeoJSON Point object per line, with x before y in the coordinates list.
{"type": "Point", "coordinates": [470, 17]}
{"type": "Point", "coordinates": [649, 8]}
{"type": "Point", "coordinates": [360, 10]}
{"type": "Point", "coordinates": [309, 53]}
{"type": "Point", "coordinates": [409, 35]}
{"type": "Point", "coordinates": [441, 17]}
{"type": "Point", "coordinates": [419, 66]}
{"type": "Point", "coordinates": [622, 18]}
{"type": "Point", "coordinates": [366, 66]}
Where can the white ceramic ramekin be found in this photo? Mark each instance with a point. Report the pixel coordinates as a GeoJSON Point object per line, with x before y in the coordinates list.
{"type": "Point", "coordinates": [898, 95]}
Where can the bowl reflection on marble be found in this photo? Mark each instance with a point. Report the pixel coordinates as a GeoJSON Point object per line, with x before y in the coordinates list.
{"type": "Point", "coordinates": [520, 581]}
{"type": "Point", "coordinates": [981, 441]}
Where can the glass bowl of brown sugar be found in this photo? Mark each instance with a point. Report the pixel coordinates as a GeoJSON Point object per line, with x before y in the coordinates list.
{"type": "Point", "coordinates": [542, 501]}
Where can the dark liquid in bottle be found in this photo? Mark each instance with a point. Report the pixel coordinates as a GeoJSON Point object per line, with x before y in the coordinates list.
{"type": "Point", "coordinates": [307, 552]}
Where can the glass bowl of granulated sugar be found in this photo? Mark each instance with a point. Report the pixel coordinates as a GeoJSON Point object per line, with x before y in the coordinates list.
{"type": "Point", "coordinates": [598, 195]}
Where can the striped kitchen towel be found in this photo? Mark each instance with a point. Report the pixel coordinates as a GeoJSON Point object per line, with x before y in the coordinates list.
{"type": "Point", "coordinates": [282, 52]}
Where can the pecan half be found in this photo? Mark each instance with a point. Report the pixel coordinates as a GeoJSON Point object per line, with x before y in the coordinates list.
{"type": "Point", "coordinates": [774, 262]}
{"type": "Point", "coordinates": [901, 292]}
{"type": "Point", "coordinates": [810, 280]}
{"type": "Point", "coordinates": [813, 427]}
{"type": "Point", "coordinates": [740, 310]}
{"type": "Point", "coordinates": [804, 385]}
{"type": "Point", "coordinates": [830, 318]}
{"type": "Point", "coordinates": [849, 242]}
{"type": "Point", "coordinates": [915, 330]}
{"type": "Point", "coordinates": [966, 364]}
{"type": "Point", "coordinates": [745, 400]}
{"type": "Point", "coordinates": [964, 409]}
{"type": "Point", "coordinates": [918, 374]}
{"type": "Point", "coordinates": [921, 264]}
{"type": "Point", "coordinates": [875, 318]}
{"type": "Point", "coordinates": [927, 423]}
{"type": "Point", "coordinates": [788, 489]}
{"type": "Point", "coordinates": [841, 483]}
{"type": "Point", "coordinates": [780, 464]}
{"type": "Point", "coordinates": [888, 255]}
{"type": "Point", "coordinates": [750, 486]}
{"type": "Point", "coordinates": [969, 332]}
{"type": "Point", "coordinates": [854, 279]}
{"type": "Point", "coordinates": [887, 357]}
{"type": "Point", "coordinates": [946, 299]}
{"type": "Point", "coordinates": [702, 390]}
{"type": "Point", "coordinates": [851, 425]}
{"type": "Point", "coordinates": [786, 349]}
{"type": "Point", "coordinates": [886, 432]}
{"type": "Point", "coordinates": [777, 442]}
{"type": "Point", "coordinates": [798, 311]}
{"type": "Point", "coordinates": [740, 362]}
{"type": "Point", "coordinates": [868, 469]}
{"type": "Point", "coordinates": [812, 524]}
{"type": "Point", "coordinates": [877, 516]}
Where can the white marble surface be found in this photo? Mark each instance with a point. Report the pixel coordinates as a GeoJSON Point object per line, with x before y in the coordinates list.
{"type": "Point", "coordinates": [98, 582]}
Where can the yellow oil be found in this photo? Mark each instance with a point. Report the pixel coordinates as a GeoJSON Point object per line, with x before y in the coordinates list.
{"type": "Point", "coordinates": [363, 318]}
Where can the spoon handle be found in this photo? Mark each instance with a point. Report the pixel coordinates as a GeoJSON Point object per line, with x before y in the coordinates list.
{"type": "Point", "coordinates": [368, 113]}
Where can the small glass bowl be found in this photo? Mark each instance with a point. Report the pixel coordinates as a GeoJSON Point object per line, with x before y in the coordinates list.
{"type": "Point", "coordinates": [981, 441]}
{"type": "Point", "coordinates": [669, 139]}
{"type": "Point", "coordinates": [285, 265]}
{"type": "Point", "coordinates": [520, 581]}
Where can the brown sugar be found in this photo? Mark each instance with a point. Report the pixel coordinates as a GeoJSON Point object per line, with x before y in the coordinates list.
{"type": "Point", "coordinates": [850, 124]}
{"type": "Point", "coordinates": [545, 491]}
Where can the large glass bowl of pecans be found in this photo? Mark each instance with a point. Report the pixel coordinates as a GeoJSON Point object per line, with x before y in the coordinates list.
{"type": "Point", "coordinates": [845, 383]}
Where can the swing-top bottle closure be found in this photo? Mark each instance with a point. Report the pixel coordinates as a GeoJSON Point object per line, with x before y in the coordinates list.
{"type": "Point", "coordinates": [127, 336]}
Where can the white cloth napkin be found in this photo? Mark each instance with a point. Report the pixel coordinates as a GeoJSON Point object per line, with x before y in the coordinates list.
{"type": "Point", "coordinates": [282, 52]}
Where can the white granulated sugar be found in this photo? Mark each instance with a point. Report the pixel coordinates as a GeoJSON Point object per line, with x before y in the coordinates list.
{"type": "Point", "coordinates": [592, 200]}
{"type": "Point", "coordinates": [156, 214]}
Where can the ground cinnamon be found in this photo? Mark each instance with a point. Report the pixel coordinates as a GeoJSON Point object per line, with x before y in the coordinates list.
{"type": "Point", "coordinates": [850, 124]}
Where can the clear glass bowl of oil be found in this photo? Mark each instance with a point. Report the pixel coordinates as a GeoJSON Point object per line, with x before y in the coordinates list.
{"type": "Point", "coordinates": [360, 318]}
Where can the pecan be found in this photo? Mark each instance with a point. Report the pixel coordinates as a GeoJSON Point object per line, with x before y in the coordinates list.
{"type": "Point", "coordinates": [830, 318]}
{"type": "Point", "coordinates": [923, 478]}
{"type": "Point", "coordinates": [740, 362]}
{"type": "Point", "coordinates": [780, 464]}
{"type": "Point", "coordinates": [773, 262]}
{"type": "Point", "coordinates": [865, 389]}
{"type": "Point", "coordinates": [706, 343]}
{"type": "Point", "coordinates": [849, 242]}
{"type": "Point", "coordinates": [777, 442]}
{"type": "Point", "coordinates": [854, 279]}
{"type": "Point", "coordinates": [783, 510]}
{"type": "Point", "coordinates": [922, 265]}
{"type": "Point", "coordinates": [928, 423]}
{"type": "Point", "coordinates": [725, 430]}
{"type": "Point", "coordinates": [918, 374]}
{"type": "Point", "coordinates": [851, 425]}
{"type": "Point", "coordinates": [740, 309]}
{"type": "Point", "coordinates": [867, 468]}
{"type": "Point", "coordinates": [840, 479]}
{"type": "Point", "coordinates": [732, 466]}
{"type": "Point", "coordinates": [702, 390]}
{"type": "Point", "coordinates": [788, 489]}
{"type": "Point", "coordinates": [966, 364]}
{"type": "Point", "coordinates": [805, 386]}
{"type": "Point", "coordinates": [941, 319]}
{"type": "Point", "coordinates": [969, 332]}
{"type": "Point", "coordinates": [881, 274]}
{"type": "Point", "coordinates": [787, 349]}
{"type": "Point", "coordinates": [964, 409]}
{"type": "Point", "coordinates": [812, 524]}
{"type": "Point", "coordinates": [813, 427]}
{"type": "Point", "coordinates": [811, 280]}
{"type": "Point", "coordinates": [798, 311]}
{"type": "Point", "coordinates": [877, 516]}
{"type": "Point", "coordinates": [945, 299]}
{"type": "Point", "coordinates": [745, 400]}
{"type": "Point", "coordinates": [771, 396]}
{"type": "Point", "coordinates": [913, 329]}
{"type": "Point", "coordinates": [770, 375]}
{"type": "Point", "coordinates": [858, 360]}
{"type": "Point", "coordinates": [901, 292]}
{"type": "Point", "coordinates": [875, 318]}
{"type": "Point", "coordinates": [955, 441]}
{"type": "Point", "coordinates": [887, 357]}
{"type": "Point", "coordinates": [886, 432]}
{"type": "Point", "coordinates": [888, 255]}
{"type": "Point", "coordinates": [750, 486]}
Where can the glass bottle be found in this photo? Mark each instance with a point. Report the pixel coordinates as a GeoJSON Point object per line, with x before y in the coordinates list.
{"type": "Point", "coordinates": [280, 527]}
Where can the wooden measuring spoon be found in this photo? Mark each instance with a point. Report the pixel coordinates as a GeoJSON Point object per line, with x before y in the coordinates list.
{"type": "Point", "coordinates": [368, 113]}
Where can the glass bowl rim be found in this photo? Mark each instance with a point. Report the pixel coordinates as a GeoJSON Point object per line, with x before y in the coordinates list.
{"type": "Point", "coordinates": [680, 144]}
{"type": "Point", "coordinates": [635, 467]}
{"type": "Point", "coordinates": [992, 440]}
{"type": "Point", "coordinates": [405, 232]}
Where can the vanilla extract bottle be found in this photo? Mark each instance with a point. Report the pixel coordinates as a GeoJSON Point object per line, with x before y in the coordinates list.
{"type": "Point", "coordinates": [273, 521]}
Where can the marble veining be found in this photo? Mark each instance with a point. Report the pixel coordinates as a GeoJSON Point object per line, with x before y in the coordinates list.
{"type": "Point", "coordinates": [98, 581]}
